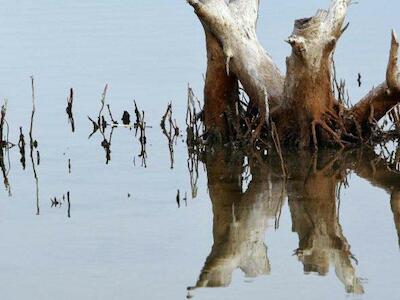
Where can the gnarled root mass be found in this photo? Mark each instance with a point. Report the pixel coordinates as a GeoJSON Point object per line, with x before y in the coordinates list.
{"type": "Point", "coordinates": [301, 105]}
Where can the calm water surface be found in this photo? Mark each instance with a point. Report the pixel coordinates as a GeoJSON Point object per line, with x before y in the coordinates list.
{"type": "Point", "coordinates": [247, 229]}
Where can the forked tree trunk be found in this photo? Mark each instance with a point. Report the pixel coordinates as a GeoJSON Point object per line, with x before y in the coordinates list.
{"type": "Point", "coordinates": [233, 26]}
{"type": "Point", "coordinates": [302, 104]}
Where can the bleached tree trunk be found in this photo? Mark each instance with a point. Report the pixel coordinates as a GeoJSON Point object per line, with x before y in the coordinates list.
{"type": "Point", "coordinates": [240, 218]}
{"type": "Point", "coordinates": [233, 25]}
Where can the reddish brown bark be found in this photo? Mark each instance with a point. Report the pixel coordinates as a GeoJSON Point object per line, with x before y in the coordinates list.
{"type": "Point", "coordinates": [302, 105]}
{"type": "Point", "coordinates": [308, 95]}
{"type": "Point", "coordinates": [220, 91]}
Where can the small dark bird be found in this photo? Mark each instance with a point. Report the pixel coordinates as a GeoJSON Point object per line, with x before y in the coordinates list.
{"type": "Point", "coordinates": [126, 118]}
{"type": "Point", "coordinates": [359, 79]}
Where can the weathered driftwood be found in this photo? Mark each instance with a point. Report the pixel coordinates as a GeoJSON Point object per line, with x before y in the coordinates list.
{"type": "Point", "coordinates": [302, 103]}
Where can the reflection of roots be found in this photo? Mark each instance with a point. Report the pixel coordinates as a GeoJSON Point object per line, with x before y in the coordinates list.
{"type": "Point", "coordinates": [329, 130]}
{"type": "Point", "coordinates": [258, 130]}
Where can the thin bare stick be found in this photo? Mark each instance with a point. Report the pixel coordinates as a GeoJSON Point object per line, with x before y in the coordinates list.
{"type": "Point", "coordinates": [33, 113]}
{"type": "Point", "coordinates": [33, 144]}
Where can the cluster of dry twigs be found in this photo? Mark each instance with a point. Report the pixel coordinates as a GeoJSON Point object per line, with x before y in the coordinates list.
{"type": "Point", "coordinates": [382, 133]}
{"type": "Point", "coordinates": [170, 129]}
{"type": "Point", "coordinates": [102, 123]}
{"type": "Point", "coordinates": [5, 145]}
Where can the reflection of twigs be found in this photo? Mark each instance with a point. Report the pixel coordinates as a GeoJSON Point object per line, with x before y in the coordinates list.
{"type": "Point", "coordinates": [140, 126]}
{"type": "Point", "coordinates": [95, 127]}
{"type": "Point", "coordinates": [143, 140]}
{"type": "Point", "coordinates": [4, 171]}
{"type": "Point", "coordinates": [4, 147]}
{"type": "Point", "coordinates": [36, 184]}
{"type": "Point", "coordinates": [33, 144]}
{"type": "Point", "coordinates": [57, 203]}
{"type": "Point", "coordinates": [21, 146]}
{"type": "Point", "coordinates": [178, 199]}
{"type": "Point", "coordinates": [193, 168]}
{"type": "Point", "coordinates": [275, 138]}
{"type": "Point", "coordinates": [170, 130]}
{"type": "Point", "coordinates": [194, 131]}
{"type": "Point", "coordinates": [106, 144]}
{"type": "Point", "coordinates": [3, 143]}
{"type": "Point", "coordinates": [278, 211]}
{"type": "Point", "coordinates": [70, 101]}
{"type": "Point", "coordinates": [111, 116]}
{"type": "Point", "coordinates": [69, 205]}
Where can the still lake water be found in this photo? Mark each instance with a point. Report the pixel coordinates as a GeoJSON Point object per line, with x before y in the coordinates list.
{"type": "Point", "coordinates": [144, 246]}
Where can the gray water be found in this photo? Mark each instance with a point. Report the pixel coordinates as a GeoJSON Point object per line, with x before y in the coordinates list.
{"type": "Point", "coordinates": [144, 246]}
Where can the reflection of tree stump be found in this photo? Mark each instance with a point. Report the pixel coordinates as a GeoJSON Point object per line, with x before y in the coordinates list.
{"type": "Point", "coordinates": [395, 203]}
{"type": "Point", "coordinates": [240, 222]}
{"type": "Point", "coordinates": [312, 201]}
{"type": "Point", "coordinates": [376, 171]}
{"type": "Point", "coordinates": [241, 217]}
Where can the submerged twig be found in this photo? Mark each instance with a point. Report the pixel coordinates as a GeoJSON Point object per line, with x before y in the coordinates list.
{"type": "Point", "coordinates": [4, 147]}
{"type": "Point", "coordinates": [171, 130]}
{"type": "Point", "coordinates": [69, 205]}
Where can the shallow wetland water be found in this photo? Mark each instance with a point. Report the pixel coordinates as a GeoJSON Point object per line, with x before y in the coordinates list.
{"type": "Point", "coordinates": [129, 213]}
